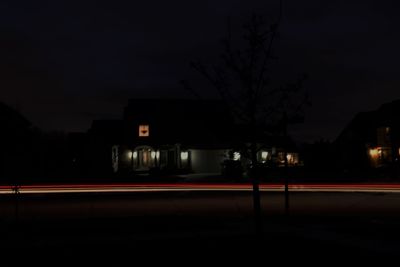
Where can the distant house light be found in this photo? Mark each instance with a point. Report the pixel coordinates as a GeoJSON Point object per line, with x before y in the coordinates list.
{"type": "Point", "coordinates": [264, 155]}
{"type": "Point", "coordinates": [153, 154]}
{"type": "Point", "coordinates": [144, 130]}
{"type": "Point", "coordinates": [236, 156]}
{"type": "Point", "coordinates": [134, 154]}
{"type": "Point", "coordinates": [130, 154]}
{"type": "Point", "coordinates": [373, 152]}
{"type": "Point", "coordinates": [158, 154]}
{"type": "Point", "coordinates": [184, 155]}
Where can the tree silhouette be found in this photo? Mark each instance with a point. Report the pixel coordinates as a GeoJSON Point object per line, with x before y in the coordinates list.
{"type": "Point", "coordinates": [243, 81]}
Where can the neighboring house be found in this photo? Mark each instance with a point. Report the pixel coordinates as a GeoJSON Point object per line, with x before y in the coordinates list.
{"type": "Point", "coordinates": [171, 135]}
{"type": "Point", "coordinates": [271, 152]}
{"type": "Point", "coordinates": [372, 139]}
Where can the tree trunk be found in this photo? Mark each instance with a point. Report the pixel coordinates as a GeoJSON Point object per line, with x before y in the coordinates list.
{"type": "Point", "coordinates": [286, 172]}
{"type": "Point", "coordinates": [256, 190]}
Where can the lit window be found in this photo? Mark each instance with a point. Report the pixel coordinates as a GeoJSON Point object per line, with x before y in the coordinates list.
{"type": "Point", "coordinates": [373, 152]}
{"type": "Point", "coordinates": [134, 154]}
{"type": "Point", "coordinates": [144, 130]}
{"type": "Point", "coordinates": [153, 154]}
{"type": "Point", "coordinates": [236, 156]}
{"type": "Point", "coordinates": [264, 155]}
{"type": "Point", "coordinates": [184, 155]}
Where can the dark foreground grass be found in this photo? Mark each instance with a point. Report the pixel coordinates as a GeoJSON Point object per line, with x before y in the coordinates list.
{"type": "Point", "coordinates": [184, 240]}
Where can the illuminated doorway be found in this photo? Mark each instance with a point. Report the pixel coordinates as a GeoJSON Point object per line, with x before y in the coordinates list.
{"type": "Point", "coordinates": [144, 158]}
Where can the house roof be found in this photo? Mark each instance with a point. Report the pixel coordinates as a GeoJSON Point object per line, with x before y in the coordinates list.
{"type": "Point", "coordinates": [109, 130]}
{"type": "Point", "coordinates": [11, 118]}
{"type": "Point", "coordinates": [363, 126]}
{"type": "Point", "coordinates": [14, 126]}
{"type": "Point", "coordinates": [188, 121]}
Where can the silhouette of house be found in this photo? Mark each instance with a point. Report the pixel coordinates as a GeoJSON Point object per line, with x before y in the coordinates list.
{"type": "Point", "coordinates": [172, 135]}
{"type": "Point", "coordinates": [371, 139]}
{"type": "Point", "coordinates": [164, 134]}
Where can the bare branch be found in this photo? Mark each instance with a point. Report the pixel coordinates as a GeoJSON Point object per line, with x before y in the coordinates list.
{"type": "Point", "coordinates": [189, 88]}
{"type": "Point", "coordinates": [274, 29]}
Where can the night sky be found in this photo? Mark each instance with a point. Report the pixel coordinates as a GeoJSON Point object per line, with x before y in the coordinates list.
{"type": "Point", "coordinates": [64, 64]}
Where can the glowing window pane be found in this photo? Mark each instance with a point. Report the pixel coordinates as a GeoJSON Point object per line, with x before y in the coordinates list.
{"type": "Point", "coordinates": [184, 155]}
{"type": "Point", "coordinates": [264, 155]}
{"type": "Point", "coordinates": [236, 156]}
{"type": "Point", "coordinates": [373, 152]}
{"type": "Point", "coordinates": [144, 130]}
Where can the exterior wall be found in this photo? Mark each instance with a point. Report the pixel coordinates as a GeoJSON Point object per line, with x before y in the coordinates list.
{"type": "Point", "coordinates": [143, 158]}
{"type": "Point", "coordinates": [124, 157]}
{"type": "Point", "coordinates": [206, 160]}
{"type": "Point", "coordinates": [115, 158]}
{"type": "Point", "coordinates": [383, 136]}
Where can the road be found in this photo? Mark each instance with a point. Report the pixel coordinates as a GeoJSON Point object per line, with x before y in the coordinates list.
{"type": "Point", "coordinates": [199, 219]}
{"type": "Point", "coordinates": [39, 202]}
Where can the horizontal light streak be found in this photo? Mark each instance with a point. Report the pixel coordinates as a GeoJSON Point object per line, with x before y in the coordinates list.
{"type": "Point", "coordinates": [122, 188]}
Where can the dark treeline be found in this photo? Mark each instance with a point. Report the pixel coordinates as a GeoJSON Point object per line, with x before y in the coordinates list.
{"type": "Point", "coordinates": [28, 154]}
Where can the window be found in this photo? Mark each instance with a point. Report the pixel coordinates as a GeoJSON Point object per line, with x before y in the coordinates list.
{"type": "Point", "coordinates": [114, 158]}
{"type": "Point", "coordinates": [184, 155]}
{"type": "Point", "coordinates": [264, 155]}
{"type": "Point", "coordinates": [144, 130]}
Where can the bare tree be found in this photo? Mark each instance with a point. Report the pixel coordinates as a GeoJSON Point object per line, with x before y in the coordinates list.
{"type": "Point", "coordinates": [243, 81]}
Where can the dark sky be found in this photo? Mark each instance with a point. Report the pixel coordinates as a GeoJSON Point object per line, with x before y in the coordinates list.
{"type": "Point", "coordinates": [64, 64]}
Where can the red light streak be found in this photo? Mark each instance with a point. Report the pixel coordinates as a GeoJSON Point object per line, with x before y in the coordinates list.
{"type": "Point", "coordinates": [136, 187]}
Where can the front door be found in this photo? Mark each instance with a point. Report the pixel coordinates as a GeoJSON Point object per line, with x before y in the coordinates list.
{"type": "Point", "coordinates": [144, 158]}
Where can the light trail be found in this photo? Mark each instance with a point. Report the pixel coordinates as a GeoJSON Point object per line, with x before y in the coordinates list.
{"type": "Point", "coordinates": [142, 187]}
